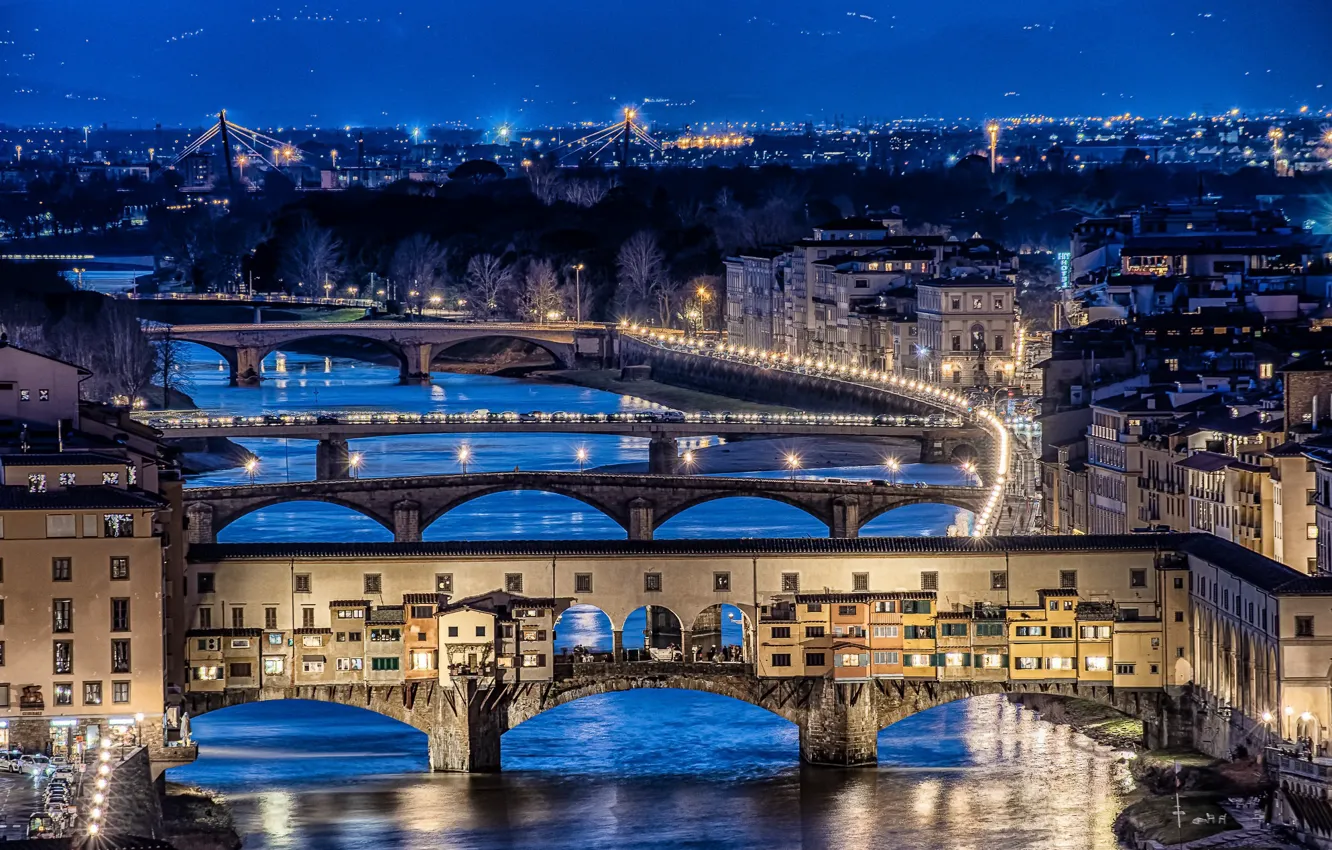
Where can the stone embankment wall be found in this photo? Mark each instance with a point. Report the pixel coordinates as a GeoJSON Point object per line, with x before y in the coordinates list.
{"type": "Point", "coordinates": [133, 803]}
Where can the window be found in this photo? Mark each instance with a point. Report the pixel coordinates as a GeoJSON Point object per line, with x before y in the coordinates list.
{"type": "Point", "coordinates": [62, 525]}
{"type": "Point", "coordinates": [384, 664]}
{"type": "Point", "coordinates": [955, 659]}
{"type": "Point", "coordinates": [957, 342]}
{"type": "Point", "coordinates": [955, 302]}
{"type": "Point", "coordinates": [1179, 616]}
{"type": "Point", "coordinates": [64, 693]}
{"type": "Point", "coordinates": [311, 640]}
{"type": "Point", "coordinates": [348, 664]}
{"type": "Point", "coordinates": [1125, 669]}
{"type": "Point", "coordinates": [273, 665]}
{"type": "Point", "coordinates": [1054, 604]}
{"type": "Point", "coordinates": [916, 606]}
{"type": "Point", "coordinates": [1058, 663]}
{"type": "Point", "coordinates": [998, 580]}
{"type": "Point", "coordinates": [1094, 632]}
{"type": "Point", "coordinates": [340, 637]}
{"type": "Point", "coordinates": [721, 582]}
{"type": "Point", "coordinates": [237, 617]}
{"type": "Point", "coordinates": [1096, 663]}
{"type": "Point", "coordinates": [582, 582]}
{"type": "Point", "coordinates": [919, 660]}
{"type": "Point", "coordinates": [814, 631]}
{"type": "Point", "coordinates": [781, 659]}
{"type": "Point", "coordinates": [307, 618]}
{"type": "Point", "coordinates": [423, 612]}
{"type": "Point", "coordinates": [1304, 627]}
{"type": "Point", "coordinates": [533, 659]}
{"type": "Point", "coordinates": [1030, 631]}
{"type": "Point", "coordinates": [119, 569]}
{"type": "Point", "coordinates": [954, 629]}
{"type": "Point", "coordinates": [886, 631]}
{"type": "Point", "coordinates": [301, 583]}
{"type": "Point", "coordinates": [1068, 579]}
{"type": "Point", "coordinates": [120, 615]}
{"type": "Point", "coordinates": [380, 635]}
{"type": "Point", "coordinates": [312, 666]}
{"type": "Point", "coordinates": [205, 618]}
{"type": "Point", "coordinates": [1026, 662]}
{"type": "Point", "coordinates": [423, 660]}
{"type": "Point", "coordinates": [240, 670]}
{"type": "Point", "coordinates": [240, 643]}
{"type": "Point", "coordinates": [860, 582]}
{"type": "Point", "coordinates": [207, 583]}
{"type": "Point", "coordinates": [918, 633]}
{"type": "Point", "coordinates": [480, 631]}
{"type": "Point", "coordinates": [998, 342]}
{"type": "Point", "coordinates": [111, 478]}
{"type": "Point", "coordinates": [652, 582]}
{"type": "Point", "coordinates": [62, 615]}
{"type": "Point", "coordinates": [977, 302]}
{"type": "Point", "coordinates": [372, 583]}
{"type": "Point", "coordinates": [1061, 632]}
{"type": "Point", "coordinates": [443, 582]}
{"type": "Point", "coordinates": [120, 692]}
{"type": "Point", "coordinates": [117, 525]}
{"type": "Point", "coordinates": [790, 582]}
{"type": "Point", "coordinates": [1137, 578]}
{"type": "Point", "coordinates": [1179, 583]}
{"type": "Point", "coordinates": [886, 657]}
{"type": "Point", "coordinates": [989, 629]}
{"type": "Point", "coordinates": [68, 479]}
{"type": "Point", "coordinates": [359, 613]}
{"type": "Point", "coordinates": [815, 659]}
{"type": "Point", "coordinates": [270, 617]}
{"type": "Point", "coordinates": [846, 610]}
{"type": "Point", "coordinates": [453, 631]}
{"type": "Point", "coordinates": [2, 653]}
{"type": "Point", "coordinates": [1311, 531]}
{"type": "Point", "coordinates": [37, 483]}
{"type": "Point", "coordinates": [1154, 669]}
{"type": "Point", "coordinates": [851, 659]}
{"type": "Point", "coordinates": [513, 582]}
{"type": "Point", "coordinates": [92, 693]}
{"type": "Point", "coordinates": [998, 302]}
{"type": "Point", "coordinates": [61, 569]}
{"type": "Point", "coordinates": [63, 652]}
{"type": "Point", "coordinates": [781, 632]}
{"type": "Point", "coordinates": [885, 606]}
{"type": "Point", "coordinates": [354, 637]}
{"type": "Point", "coordinates": [929, 580]}
{"type": "Point", "coordinates": [992, 661]}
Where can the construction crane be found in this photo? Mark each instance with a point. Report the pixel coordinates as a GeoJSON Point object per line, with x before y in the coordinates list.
{"type": "Point", "coordinates": [251, 144]}
{"type": "Point", "coordinates": [619, 134]}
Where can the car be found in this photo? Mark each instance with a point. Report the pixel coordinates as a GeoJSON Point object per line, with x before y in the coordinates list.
{"type": "Point", "coordinates": [8, 765]}
{"type": "Point", "coordinates": [836, 481]}
{"type": "Point", "coordinates": [672, 416]}
{"type": "Point", "coordinates": [878, 482]}
{"type": "Point", "coordinates": [34, 764]}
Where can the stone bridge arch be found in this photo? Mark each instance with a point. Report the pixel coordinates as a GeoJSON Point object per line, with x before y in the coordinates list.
{"type": "Point", "coordinates": [204, 521]}
{"type": "Point", "coordinates": [562, 353]}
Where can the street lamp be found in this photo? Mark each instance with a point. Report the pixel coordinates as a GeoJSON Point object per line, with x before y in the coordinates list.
{"type": "Point", "coordinates": [792, 463]}
{"type": "Point", "coordinates": [578, 292]}
{"type": "Point", "coordinates": [252, 468]}
{"type": "Point", "coordinates": [354, 462]}
{"type": "Point", "coordinates": [894, 467]}
{"type": "Point", "coordinates": [464, 456]}
{"type": "Point", "coordinates": [689, 461]}
{"type": "Point", "coordinates": [970, 469]}
{"type": "Point", "coordinates": [581, 454]}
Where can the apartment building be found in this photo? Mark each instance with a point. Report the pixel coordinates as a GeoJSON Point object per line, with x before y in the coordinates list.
{"type": "Point", "coordinates": [968, 327]}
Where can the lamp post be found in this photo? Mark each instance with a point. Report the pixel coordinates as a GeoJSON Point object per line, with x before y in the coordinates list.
{"type": "Point", "coordinates": [354, 462]}
{"type": "Point", "coordinates": [894, 467]}
{"type": "Point", "coordinates": [464, 456]}
{"type": "Point", "coordinates": [252, 468]}
{"type": "Point", "coordinates": [578, 292]}
{"type": "Point", "coordinates": [581, 454]}
{"type": "Point", "coordinates": [689, 461]}
{"type": "Point", "coordinates": [792, 463]}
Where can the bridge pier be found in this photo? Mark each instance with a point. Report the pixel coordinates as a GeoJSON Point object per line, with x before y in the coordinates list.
{"type": "Point", "coordinates": [199, 521]}
{"type": "Point", "coordinates": [246, 367]}
{"type": "Point", "coordinates": [416, 360]}
{"type": "Point", "coordinates": [406, 522]}
{"type": "Point", "coordinates": [845, 519]}
{"type": "Point", "coordinates": [663, 455]}
{"type": "Point", "coordinates": [465, 734]}
{"type": "Point", "coordinates": [332, 460]}
{"type": "Point", "coordinates": [617, 645]}
{"type": "Point", "coordinates": [840, 728]}
{"type": "Point", "coordinates": [641, 519]}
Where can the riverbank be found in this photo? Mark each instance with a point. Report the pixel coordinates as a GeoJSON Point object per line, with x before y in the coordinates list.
{"type": "Point", "coordinates": [196, 819]}
{"type": "Point", "coordinates": [766, 454]}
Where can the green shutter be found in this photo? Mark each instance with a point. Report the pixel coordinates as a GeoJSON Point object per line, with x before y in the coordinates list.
{"type": "Point", "coordinates": [966, 659]}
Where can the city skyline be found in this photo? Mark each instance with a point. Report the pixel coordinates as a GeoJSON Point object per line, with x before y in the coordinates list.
{"type": "Point", "coordinates": [77, 62]}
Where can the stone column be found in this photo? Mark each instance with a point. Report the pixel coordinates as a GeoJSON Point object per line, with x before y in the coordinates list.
{"type": "Point", "coordinates": [840, 727]}
{"type": "Point", "coordinates": [415, 368]}
{"type": "Point", "coordinates": [246, 367]}
{"type": "Point", "coordinates": [199, 517]}
{"type": "Point", "coordinates": [617, 645]}
{"type": "Point", "coordinates": [687, 644]}
{"type": "Point", "coordinates": [407, 522]}
{"type": "Point", "coordinates": [465, 736]}
{"type": "Point", "coordinates": [845, 518]}
{"type": "Point", "coordinates": [332, 460]}
{"type": "Point", "coordinates": [641, 520]}
{"type": "Point", "coordinates": [662, 455]}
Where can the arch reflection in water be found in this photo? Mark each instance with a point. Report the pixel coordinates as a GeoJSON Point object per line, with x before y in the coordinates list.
{"type": "Point", "coordinates": [924, 519]}
{"type": "Point", "coordinates": [585, 626]}
{"type": "Point", "coordinates": [654, 769]}
{"type": "Point", "coordinates": [739, 517]}
{"type": "Point", "coordinates": [312, 521]}
{"type": "Point", "coordinates": [524, 515]}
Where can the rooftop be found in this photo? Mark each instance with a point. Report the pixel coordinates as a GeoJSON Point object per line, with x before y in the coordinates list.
{"type": "Point", "coordinates": [93, 498]}
{"type": "Point", "coordinates": [61, 459]}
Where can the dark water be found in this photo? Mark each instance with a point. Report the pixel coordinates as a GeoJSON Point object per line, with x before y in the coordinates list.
{"type": "Point", "coordinates": [641, 769]}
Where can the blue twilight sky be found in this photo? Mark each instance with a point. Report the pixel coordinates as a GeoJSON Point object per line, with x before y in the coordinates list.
{"type": "Point", "coordinates": [334, 62]}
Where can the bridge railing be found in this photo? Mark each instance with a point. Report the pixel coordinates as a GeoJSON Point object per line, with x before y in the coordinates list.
{"type": "Point", "coordinates": [257, 298]}
{"type": "Point", "coordinates": [922, 391]}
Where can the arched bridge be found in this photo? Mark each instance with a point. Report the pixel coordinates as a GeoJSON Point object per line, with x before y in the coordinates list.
{"type": "Point", "coordinates": [414, 344]}
{"type": "Point", "coordinates": [638, 503]}
{"type": "Point", "coordinates": [839, 722]}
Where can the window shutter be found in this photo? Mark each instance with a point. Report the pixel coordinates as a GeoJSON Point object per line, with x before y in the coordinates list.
{"type": "Point", "coordinates": [1003, 661]}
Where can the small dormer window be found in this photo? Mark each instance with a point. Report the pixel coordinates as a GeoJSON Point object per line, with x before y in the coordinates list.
{"type": "Point", "coordinates": [37, 483]}
{"type": "Point", "coordinates": [111, 478]}
{"type": "Point", "coordinates": [43, 395]}
{"type": "Point", "coordinates": [25, 395]}
{"type": "Point", "coordinates": [68, 479]}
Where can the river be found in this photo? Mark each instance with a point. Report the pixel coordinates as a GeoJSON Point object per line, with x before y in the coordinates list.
{"type": "Point", "coordinates": [643, 769]}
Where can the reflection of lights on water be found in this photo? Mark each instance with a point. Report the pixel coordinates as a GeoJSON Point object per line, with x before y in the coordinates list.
{"type": "Point", "coordinates": [280, 360]}
{"type": "Point", "coordinates": [275, 808]}
{"type": "Point", "coordinates": [328, 364]}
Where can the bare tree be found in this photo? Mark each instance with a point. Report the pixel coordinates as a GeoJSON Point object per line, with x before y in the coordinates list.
{"type": "Point", "coordinates": [641, 266]}
{"type": "Point", "coordinates": [488, 279]}
{"type": "Point", "coordinates": [314, 258]}
{"type": "Point", "coordinates": [667, 295]}
{"type": "Point", "coordinates": [541, 296]}
{"type": "Point", "coordinates": [587, 193]}
{"type": "Point", "coordinates": [168, 366]}
{"type": "Point", "coordinates": [420, 263]}
{"type": "Point", "coordinates": [128, 354]}
{"type": "Point", "coordinates": [544, 181]}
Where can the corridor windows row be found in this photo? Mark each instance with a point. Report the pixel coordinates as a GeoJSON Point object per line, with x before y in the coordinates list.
{"type": "Point", "coordinates": [63, 692]}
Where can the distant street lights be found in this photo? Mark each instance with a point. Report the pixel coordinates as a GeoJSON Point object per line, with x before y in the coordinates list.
{"type": "Point", "coordinates": [792, 463]}
{"type": "Point", "coordinates": [464, 456]}
{"type": "Point", "coordinates": [581, 454]}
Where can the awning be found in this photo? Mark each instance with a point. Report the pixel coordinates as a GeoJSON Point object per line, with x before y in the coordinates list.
{"type": "Point", "coordinates": [309, 658]}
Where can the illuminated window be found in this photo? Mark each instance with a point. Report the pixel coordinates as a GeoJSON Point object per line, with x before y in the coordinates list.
{"type": "Point", "coordinates": [273, 665]}
{"type": "Point", "coordinates": [1097, 663]}
{"type": "Point", "coordinates": [1058, 663]}
{"type": "Point", "coordinates": [992, 661]}
{"type": "Point", "coordinates": [111, 478]}
{"type": "Point", "coordinates": [954, 659]}
{"type": "Point", "coordinates": [207, 674]}
{"type": "Point", "coordinates": [423, 660]}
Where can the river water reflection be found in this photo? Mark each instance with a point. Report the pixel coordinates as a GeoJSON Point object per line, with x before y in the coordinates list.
{"type": "Point", "coordinates": [643, 769]}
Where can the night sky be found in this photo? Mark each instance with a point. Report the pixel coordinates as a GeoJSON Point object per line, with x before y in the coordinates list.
{"type": "Point", "coordinates": [482, 62]}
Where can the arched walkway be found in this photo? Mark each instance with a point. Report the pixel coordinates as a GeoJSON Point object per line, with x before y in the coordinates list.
{"type": "Point", "coordinates": [584, 626]}
{"type": "Point", "coordinates": [521, 515]}
{"type": "Point", "coordinates": [650, 632]}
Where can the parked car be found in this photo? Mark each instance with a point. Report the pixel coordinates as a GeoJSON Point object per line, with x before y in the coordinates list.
{"type": "Point", "coordinates": [34, 764]}
{"type": "Point", "coordinates": [8, 765]}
